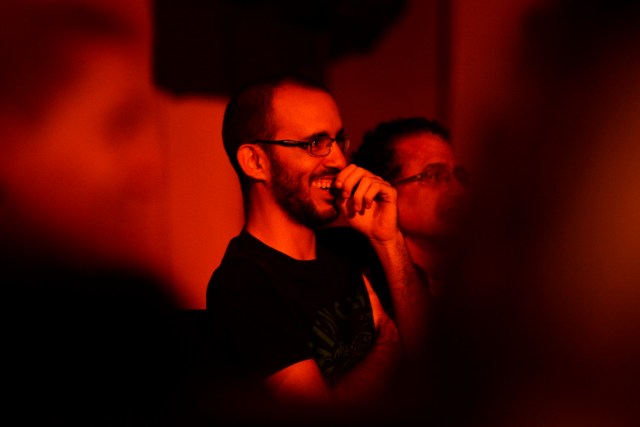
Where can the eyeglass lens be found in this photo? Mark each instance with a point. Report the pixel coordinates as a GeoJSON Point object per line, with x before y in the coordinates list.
{"type": "Point", "coordinates": [322, 146]}
{"type": "Point", "coordinates": [439, 174]}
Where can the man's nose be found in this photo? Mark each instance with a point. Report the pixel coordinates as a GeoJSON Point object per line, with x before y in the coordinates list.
{"type": "Point", "coordinates": [336, 158]}
{"type": "Point", "coordinates": [459, 182]}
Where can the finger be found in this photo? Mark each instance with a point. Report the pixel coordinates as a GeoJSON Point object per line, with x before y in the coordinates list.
{"type": "Point", "coordinates": [343, 174]}
{"type": "Point", "coordinates": [346, 206]}
{"type": "Point", "coordinates": [369, 190]}
{"type": "Point", "coordinates": [348, 178]}
{"type": "Point", "coordinates": [365, 185]}
{"type": "Point", "coordinates": [359, 182]}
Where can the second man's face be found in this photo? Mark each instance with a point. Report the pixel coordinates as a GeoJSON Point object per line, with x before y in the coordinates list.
{"type": "Point", "coordinates": [301, 183]}
{"type": "Point", "coordinates": [429, 207]}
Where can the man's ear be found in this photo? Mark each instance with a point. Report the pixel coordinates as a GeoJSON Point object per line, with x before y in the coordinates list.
{"type": "Point", "coordinates": [253, 161]}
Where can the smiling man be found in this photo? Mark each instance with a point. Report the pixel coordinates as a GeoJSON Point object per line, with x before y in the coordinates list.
{"type": "Point", "coordinates": [289, 315]}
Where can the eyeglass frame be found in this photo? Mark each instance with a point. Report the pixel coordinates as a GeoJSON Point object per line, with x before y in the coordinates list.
{"type": "Point", "coordinates": [308, 144]}
{"type": "Point", "coordinates": [419, 177]}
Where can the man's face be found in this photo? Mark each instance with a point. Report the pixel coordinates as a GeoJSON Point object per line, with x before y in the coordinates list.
{"type": "Point", "coordinates": [300, 182]}
{"type": "Point", "coordinates": [428, 209]}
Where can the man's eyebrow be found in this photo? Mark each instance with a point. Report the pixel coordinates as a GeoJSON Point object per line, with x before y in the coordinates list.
{"type": "Point", "coordinates": [321, 134]}
{"type": "Point", "coordinates": [435, 165]}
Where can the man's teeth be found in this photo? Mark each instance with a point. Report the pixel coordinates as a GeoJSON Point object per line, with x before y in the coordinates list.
{"type": "Point", "coordinates": [324, 184]}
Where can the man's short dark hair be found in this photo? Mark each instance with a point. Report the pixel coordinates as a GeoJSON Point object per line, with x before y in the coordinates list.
{"type": "Point", "coordinates": [376, 153]}
{"type": "Point", "coordinates": [249, 116]}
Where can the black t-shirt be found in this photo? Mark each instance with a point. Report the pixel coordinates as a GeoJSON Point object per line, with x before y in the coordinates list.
{"type": "Point", "coordinates": [270, 311]}
{"type": "Point", "coordinates": [351, 245]}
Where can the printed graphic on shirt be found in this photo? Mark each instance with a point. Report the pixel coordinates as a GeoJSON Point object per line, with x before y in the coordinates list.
{"type": "Point", "coordinates": [342, 335]}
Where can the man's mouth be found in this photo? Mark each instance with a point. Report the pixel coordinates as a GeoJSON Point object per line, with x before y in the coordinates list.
{"type": "Point", "coordinates": [324, 183]}
{"type": "Point", "coordinates": [453, 211]}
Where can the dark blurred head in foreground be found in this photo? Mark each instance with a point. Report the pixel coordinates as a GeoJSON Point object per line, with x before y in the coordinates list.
{"type": "Point", "coordinates": [86, 339]}
{"type": "Point", "coordinates": [79, 162]}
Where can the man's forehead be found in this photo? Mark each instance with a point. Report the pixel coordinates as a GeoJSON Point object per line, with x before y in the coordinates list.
{"type": "Point", "coordinates": [297, 98]}
{"type": "Point", "coordinates": [304, 111]}
{"type": "Point", "coordinates": [423, 147]}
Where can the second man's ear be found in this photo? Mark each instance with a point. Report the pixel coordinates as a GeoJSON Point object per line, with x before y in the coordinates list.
{"type": "Point", "coordinates": [253, 161]}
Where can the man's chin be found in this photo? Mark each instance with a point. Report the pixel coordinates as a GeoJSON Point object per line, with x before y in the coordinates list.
{"type": "Point", "coordinates": [316, 219]}
{"type": "Point", "coordinates": [328, 217]}
{"type": "Point", "coordinates": [323, 217]}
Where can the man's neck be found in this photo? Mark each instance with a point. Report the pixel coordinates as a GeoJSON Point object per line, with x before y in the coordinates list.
{"type": "Point", "coordinates": [432, 257]}
{"type": "Point", "coordinates": [277, 230]}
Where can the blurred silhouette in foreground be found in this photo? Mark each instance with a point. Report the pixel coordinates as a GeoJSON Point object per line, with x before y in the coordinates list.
{"type": "Point", "coordinates": [87, 336]}
{"type": "Point", "coordinates": [547, 332]}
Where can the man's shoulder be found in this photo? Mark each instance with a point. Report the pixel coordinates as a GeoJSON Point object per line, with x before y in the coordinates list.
{"type": "Point", "coordinates": [245, 267]}
{"type": "Point", "coordinates": [247, 247]}
{"type": "Point", "coordinates": [237, 266]}
{"type": "Point", "coordinates": [236, 277]}
{"type": "Point", "coordinates": [241, 251]}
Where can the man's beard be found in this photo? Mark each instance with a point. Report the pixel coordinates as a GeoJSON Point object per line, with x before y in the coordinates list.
{"type": "Point", "coordinates": [292, 196]}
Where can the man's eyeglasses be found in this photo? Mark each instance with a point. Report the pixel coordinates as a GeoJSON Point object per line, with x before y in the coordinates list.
{"type": "Point", "coordinates": [436, 175]}
{"type": "Point", "coordinates": [317, 147]}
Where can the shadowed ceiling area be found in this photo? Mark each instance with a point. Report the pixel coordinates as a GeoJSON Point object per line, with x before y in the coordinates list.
{"type": "Point", "coordinates": [210, 48]}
